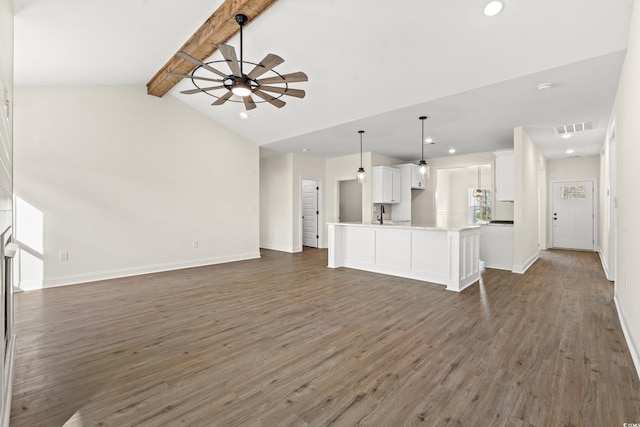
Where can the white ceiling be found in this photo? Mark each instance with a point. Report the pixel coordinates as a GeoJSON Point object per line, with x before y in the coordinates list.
{"type": "Point", "coordinates": [372, 65]}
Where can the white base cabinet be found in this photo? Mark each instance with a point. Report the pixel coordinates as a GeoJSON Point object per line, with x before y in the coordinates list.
{"type": "Point", "coordinates": [496, 246]}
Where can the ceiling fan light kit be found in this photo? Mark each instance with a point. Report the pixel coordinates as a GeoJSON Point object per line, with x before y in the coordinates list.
{"type": "Point", "coordinates": [269, 89]}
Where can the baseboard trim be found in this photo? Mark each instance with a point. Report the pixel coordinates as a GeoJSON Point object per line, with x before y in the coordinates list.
{"type": "Point", "coordinates": [605, 267]}
{"type": "Point", "coordinates": [634, 349]}
{"type": "Point", "coordinates": [278, 248]}
{"type": "Point", "coordinates": [521, 269]}
{"type": "Point", "coordinates": [5, 411]}
{"type": "Point", "coordinates": [137, 271]}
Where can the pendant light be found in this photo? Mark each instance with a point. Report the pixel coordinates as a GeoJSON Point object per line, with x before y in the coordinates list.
{"type": "Point", "coordinates": [360, 175]}
{"type": "Point", "coordinates": [479, 189]}
{"type": "Point", "coordinates": [423, 167]}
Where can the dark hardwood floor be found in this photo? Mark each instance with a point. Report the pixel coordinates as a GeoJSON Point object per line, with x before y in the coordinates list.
{"type": "Point", "coordinates": [286, 341]}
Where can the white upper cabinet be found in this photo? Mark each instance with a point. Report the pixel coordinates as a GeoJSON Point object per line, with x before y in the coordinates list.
{"type": "Point", "coordinates": [505, 176]}
{"type": "Point", "coordinates": [387, 185]}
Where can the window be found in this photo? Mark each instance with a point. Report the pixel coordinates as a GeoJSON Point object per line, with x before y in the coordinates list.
{"type": "Point", "coordinates": [479, 206]}
{"type": "Point", "coordinates": [572, 192]}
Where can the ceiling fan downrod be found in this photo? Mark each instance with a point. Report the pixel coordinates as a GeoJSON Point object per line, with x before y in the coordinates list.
{"type": "Point", "coordinates": [241, 20]}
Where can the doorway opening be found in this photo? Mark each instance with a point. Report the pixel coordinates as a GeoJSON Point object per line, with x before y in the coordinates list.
{"type": "Point", "coordinates": [350, 205]}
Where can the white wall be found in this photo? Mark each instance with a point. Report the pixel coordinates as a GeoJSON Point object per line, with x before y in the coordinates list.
{"type": "Point", "coordinates": [626, 107]}
{"type": "Point", "coordinates": [423, 207]}
{"type": "Point", "coordinates": [341, 169]}
{"type": "Point", "coordinates": [573, 168]}
{"type": "Point", "coordinates": [281, 178]}
{"type": "Point", "coordinates": [276, 199]}
{"type": "Point", "coordinates": [125, 183]}
{"type": "Point", "coordinates": [453, 184]}
{"type": "Point", "coordinates": [7, 346]}
{"type": "Point", "coordinates": [530, 201]}
{"type": "Point", "coordinates": [6, 116]}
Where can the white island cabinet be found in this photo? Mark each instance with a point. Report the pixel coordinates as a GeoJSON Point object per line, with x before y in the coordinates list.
{"type": "Point", "coordinates": [446, 256]}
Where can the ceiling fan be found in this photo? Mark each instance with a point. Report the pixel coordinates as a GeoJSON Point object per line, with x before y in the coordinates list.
{"type": "Point", "coordinates": [270, 89]}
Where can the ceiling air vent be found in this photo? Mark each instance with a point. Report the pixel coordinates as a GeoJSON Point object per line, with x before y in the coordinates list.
{"type": "Point", "coordinates": [574, 127]}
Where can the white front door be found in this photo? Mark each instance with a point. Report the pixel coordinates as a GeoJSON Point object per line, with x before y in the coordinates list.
{"type": "Point", "coordinates": [572, 215]}
{"type": "Point", "coordinates": [310, 213]}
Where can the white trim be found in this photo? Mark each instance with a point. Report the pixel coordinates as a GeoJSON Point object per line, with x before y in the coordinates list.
{"type": "Point", "coordinates": [5, 411]}
{"type": "Point", "coordinates": [521, 269]}
{"type": "Point", "coordinates": [634, 348]}
{"type": "Point", "coordinates": [605, 267]}
{"type": "Point", "coordinates": [280, 248]}
{"type": "Point", "coordinates": [136, 271]}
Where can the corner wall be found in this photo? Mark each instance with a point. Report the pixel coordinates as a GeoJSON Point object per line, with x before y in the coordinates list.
{"type": "Point", "coordinates": [276, 199]}
{"type": "Point", "coordinates": [125, 183]}
{"type": "Point", "coordinates": [530, 204]}
{"type": "Point", "coordinates": [626, 107]}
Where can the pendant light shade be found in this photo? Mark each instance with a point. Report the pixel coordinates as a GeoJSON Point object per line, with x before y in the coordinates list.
{"type": "Point", "coordinates": [423, 167]}
{"type": "Point", "coordinates": [360, 176]}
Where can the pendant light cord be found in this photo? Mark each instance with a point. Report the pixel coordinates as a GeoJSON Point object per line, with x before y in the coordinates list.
{"type": "Point", "coordinates": [361, 132]}
{"type": "Point", "coordinates": [422, 118]}
{"type": "Point", "coordinates": [422, 140]}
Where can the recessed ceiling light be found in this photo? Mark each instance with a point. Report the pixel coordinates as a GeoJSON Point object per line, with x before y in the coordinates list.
{"type": "Point", "coordinates": [452, 150]}
{"type": "Point", "coordinates": [493, 8]}
{"type": "Point", "coordinates": [304, 150]}
{"type": "Point", "coordinates": [565, 136]}
{"type": "Point", "coordinates": [428, 141]}
{"type": "Point", "coordinates": [569, 151]}
{"type": "Point", "coordinates": [244, 114]}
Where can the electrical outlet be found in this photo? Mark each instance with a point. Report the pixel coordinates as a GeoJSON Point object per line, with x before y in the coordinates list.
{"type": "Point", "coordinates": [63, 256]}
{"type": "Point", "coordinates": [196, 244]}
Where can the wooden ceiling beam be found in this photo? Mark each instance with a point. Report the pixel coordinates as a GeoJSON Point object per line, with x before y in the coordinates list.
{"type": "Point", "coordinates": [218, 29]}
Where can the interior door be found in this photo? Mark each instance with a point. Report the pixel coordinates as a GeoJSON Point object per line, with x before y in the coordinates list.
{"type": "Point", "coordinates": [572, 215]}
{"type": "Point", "coordinates": [310, 213]}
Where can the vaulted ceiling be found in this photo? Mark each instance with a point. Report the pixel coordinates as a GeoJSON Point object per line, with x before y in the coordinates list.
{"type": "Point", "coordinates": [372, 65]}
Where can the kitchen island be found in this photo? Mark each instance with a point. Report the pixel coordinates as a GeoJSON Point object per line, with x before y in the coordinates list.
{"type": "Point", "coordinates": [447, 256]}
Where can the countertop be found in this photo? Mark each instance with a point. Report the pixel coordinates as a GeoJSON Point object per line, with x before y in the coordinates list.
{"type": "Point", "coordinates": [407, 226]}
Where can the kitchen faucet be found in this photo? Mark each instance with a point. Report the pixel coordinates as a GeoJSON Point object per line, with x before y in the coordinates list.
{"type": "Point", "coordinates": [381, 214]}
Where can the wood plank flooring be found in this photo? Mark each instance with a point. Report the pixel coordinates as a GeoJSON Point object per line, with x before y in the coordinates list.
{"type": "Point", "coordinates": [286, 341]}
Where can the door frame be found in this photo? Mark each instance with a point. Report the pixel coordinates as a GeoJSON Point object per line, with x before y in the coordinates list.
{"type": "Point", "coordinates": [321, 236]}
{"type": "Point", "coordinates": [594, 224]}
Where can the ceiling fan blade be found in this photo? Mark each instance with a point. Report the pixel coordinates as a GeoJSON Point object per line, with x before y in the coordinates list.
{"type": "Point", "coordinates": [195, 61]}
{"type": "Point", "coordinates": [229, 54]}
{"type": "Point", "coordinates": [248, 102]}
{"type": "Point", "coordinates": [285, 78]}
{"type": "Point", "coordinates": [265, 65]}
{"type": "Point", "coordinates": [223, 98]}
{"type": "Point", "coordinates": [204, 89]}
{"type": "Point", "coordinates": [189, 76]}
{"type": "Point", "coordinates": [285, 91]}
{"type": "Point", "coordinates": [270, 99]}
